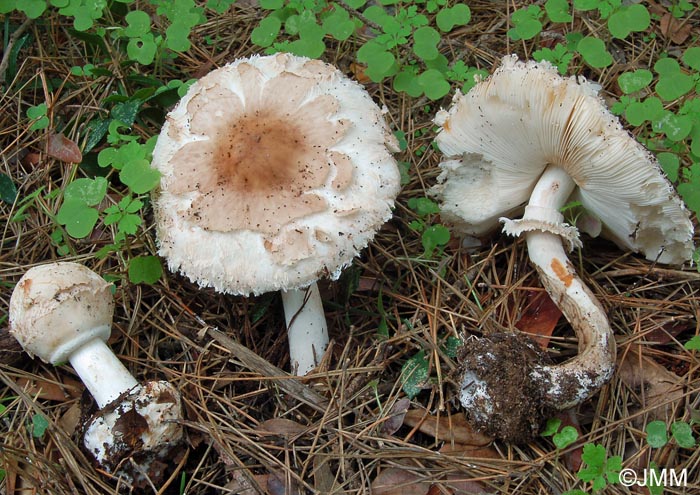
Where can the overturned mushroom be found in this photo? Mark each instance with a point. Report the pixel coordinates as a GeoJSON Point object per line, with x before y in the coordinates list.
{"type": "Point", "coordinates": [527, 136]}
{"type": "Point", "coordinates": [276, 171]}
{"type": "Point", "coordinates": [63, 312]}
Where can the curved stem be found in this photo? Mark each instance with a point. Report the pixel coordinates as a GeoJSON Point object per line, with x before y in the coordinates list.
{"type": "Point", "coordinates": [575, 380]}
{"type": "Point", "coordinates": [307, 330]}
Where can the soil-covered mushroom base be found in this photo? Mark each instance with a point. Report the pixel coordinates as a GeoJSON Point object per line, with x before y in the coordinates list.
{"type": "Point", "coordinates": [501, 395]}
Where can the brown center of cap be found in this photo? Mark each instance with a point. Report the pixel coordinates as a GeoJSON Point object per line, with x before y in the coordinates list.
{"type": "Point", "coordinates": [257, 169]}
{"type": "Point", "coordinates": [262, 153]}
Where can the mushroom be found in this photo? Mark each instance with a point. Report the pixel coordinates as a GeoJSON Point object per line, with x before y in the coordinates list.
{"type": "Point", "coordinates": [527, 136]}
{"type": "Point", "coordinates": [276, 170]}
{"type": "Point", "coordinates": [62, 312]}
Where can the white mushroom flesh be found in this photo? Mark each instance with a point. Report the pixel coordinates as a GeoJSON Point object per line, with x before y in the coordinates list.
{"type": "Point", "coordinates": [307, 329]}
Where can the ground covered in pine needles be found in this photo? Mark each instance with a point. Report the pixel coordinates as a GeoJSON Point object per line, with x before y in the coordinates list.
{"type": "Point", "coordinates": [350, 426]}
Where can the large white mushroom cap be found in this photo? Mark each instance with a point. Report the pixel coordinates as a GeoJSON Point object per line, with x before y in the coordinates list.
{"type": "Point", "coordinates": [507, 129]}
{"type": "Point", "coordinates": [276, 170]}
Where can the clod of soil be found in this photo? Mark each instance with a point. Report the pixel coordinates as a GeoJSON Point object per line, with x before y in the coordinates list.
{"type": "Point", "coordinates": [502, 396]}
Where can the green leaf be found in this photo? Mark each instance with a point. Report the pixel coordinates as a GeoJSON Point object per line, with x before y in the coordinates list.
{"type": "Point", "coordinates": [308, 46]}
{"type": "Point", "coordinates": [380, 62]}
{"type": "Point", "coordinates": [451, 346]}
{"type": "Point", "coordinates": [39, 425]}
{"type": "Point", "coordinates": [676, 127]}
{"type": "Point", "coordinates": [689, 191]}
{"type": "Point", "coordinates": [78, 218]}
{"type": "Point", "coordinates": [693, 344]}
{"type": "Point", "coordinates": [691, 58]}
{"type": "Point", "coordinates": [139, 176]}
{"type": "Point", "coordinates": [414, 373]}
{"type": "Point", "coordinates": [434, 84]}
{"type": "Point", "coordinates": [627, 19]}
{"type": "Point", "coordinates": [593, 456]}
{"type": "Point", "coordinates": [551, 427]}
{"type": "Point", "coordinates": [433, 237]}
{"type": "Point", "coordinates": [38, 114]}
{"type": "Point", "coordinates": [83, 12]}
{"type": "Point", "coordinates": [672, 86]}
{"type": "Point", "coordinates": [89, 192]}
{"type": "Point", "coordinates": [526, 23]}
{"type": "Point", "coordinates": [594, 52]}
{"type": "Point", "coordinates": [8, 190]}
{"type": "Point", "coordinates": [560, 56]}
{"type": "Point", "coordinates": [565, 437]}
{"type": "Point", "coordinates": [145, 269]}
{"type": "Point", "coordinates": [266, 32]}
{"type": "Point", "coordinates": [142, 49]}
{"type": "Point", "coordinates": [682, 433]}
{"type": "Point", "coordinates": [656, 434]}
{"type": "Point", "coordinates": [558, 10]}
{"type": "Point", "coordinates": [585, 5]}
{"type": "Point", "coordinates": [138, 23]}
{"type": "Point", "coordinates": [423, 206]}
{"type": "Point", "coordinates": [32, 8]}
{"type": "Point", "coordinates": [670, 163]}
{"type": "Point", "coordinates": [271, 4]}
{"type": "Point", "coordinates": [650, 109]}
{"type": "Point", "coordinates": [425, 44]}
{"type": "Point", "coordinates": [123, 214]}
{"type": "Point", "coordinates": [177, 37]}
{"type": "Point", "coordinates": [338, 23]}
{"type": "Point", "coordinates": [7, 6]}
{"type": "Point", "coordinates": [220, 6]}
{"type": "Point", "coordinates": [407, 81]}
{"type": "Point", "coordinates": [667, 66]}
{"type": "Point", "coordinates": [126, 112]}
{"type": "Point", "coordinates": [449, 17]}
{"type": "Point", "coordinates": [631, 82]}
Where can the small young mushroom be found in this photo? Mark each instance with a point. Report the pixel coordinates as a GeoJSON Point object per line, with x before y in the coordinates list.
{"type": "Point", "coordinates": [527, 136]}
{"type": "Point", "coordinates": [276, 170]}
{"type": "Point", "coordinates": [62, 312]}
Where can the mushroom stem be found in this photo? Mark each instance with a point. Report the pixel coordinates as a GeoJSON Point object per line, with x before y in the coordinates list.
{"type": "Point", "coordinates": [307, 330]}
{"type": "Point", "coordinates": [569, 383]}
{"type": "Point", "coordinates": [105, 377]}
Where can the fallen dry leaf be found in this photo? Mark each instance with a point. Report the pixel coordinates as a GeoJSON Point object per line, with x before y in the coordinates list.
{"type": "Point", "coordinates": [63, 149]}
{"type": "Point", "coordinates": [396, 416]}
{"type": "Point", "coordinates": [70, 419]}
{"type": "Point", "coordinates": [358, 70]}
{"type": "Point", "coordinates": [48, 389]}
{"type": "Point", "coordinates": [395, 481]}
{"type": "Point", "coordinates": [460, 485]}
{"type": "Point", "coordinates": [453, 429]}
{"type": "Point", "coordinates": [279, 484]}
{"type": "Point", "coordinates": [539, 317]}
{"type": "Point", "coordinates": [31, 159]}
{"type": "Point", "coordinates": [470, 451]}
{"type": "Point", "coordinates": [671, 28]}
{"type": "Point", "coordinates": [657, 390]}
{"type": "Point", "coordinates": [281, 427]}
{"type": "Point", "coordinates": [324, 480]}
{"type": "Point", "coordinates": [241, 483]}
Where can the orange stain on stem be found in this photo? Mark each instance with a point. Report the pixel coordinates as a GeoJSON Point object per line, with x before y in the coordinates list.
{"type": "Point", "coordinates": [562, 273]}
